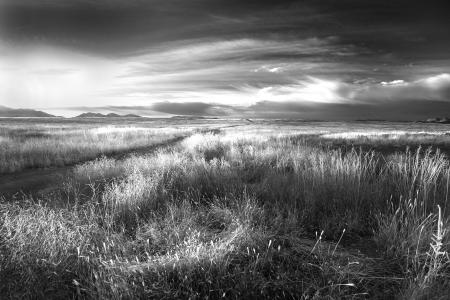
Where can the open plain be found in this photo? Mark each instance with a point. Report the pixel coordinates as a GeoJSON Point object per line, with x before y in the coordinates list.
{"type": "Point", "coordinates": [155, 208]}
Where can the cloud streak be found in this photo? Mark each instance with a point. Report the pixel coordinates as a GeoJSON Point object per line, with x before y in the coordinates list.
{"type": "Point", "coordinates": [396, 101]}
{"type": "Point", "coordinates": [225, 57]}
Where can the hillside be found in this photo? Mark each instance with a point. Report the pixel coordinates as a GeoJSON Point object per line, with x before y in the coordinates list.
{"type": "Point", "coordinates": [110, 115]}
{"type": "Point", "coordinates": [438, 120]}
{"type": "Point", "coordinates": [7, 112]}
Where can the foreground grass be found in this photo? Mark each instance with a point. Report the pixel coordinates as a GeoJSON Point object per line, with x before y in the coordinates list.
{"type": "Point", "coordinates": [223, 216]}
{"type": "Point", "coordinates": [47, 146]}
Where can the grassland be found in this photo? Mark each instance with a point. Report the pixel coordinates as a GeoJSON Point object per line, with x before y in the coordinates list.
{"type": "Point", "coordinates": [267, 210]}
{"type": "Point", "coordinates": [28, 143]}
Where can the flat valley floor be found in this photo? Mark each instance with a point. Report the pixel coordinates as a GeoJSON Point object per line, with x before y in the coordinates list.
{"type": "Point", "coordinates": [210, 208]}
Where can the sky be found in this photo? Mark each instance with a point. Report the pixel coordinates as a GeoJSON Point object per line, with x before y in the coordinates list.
{"type": "Point", "coordinates": [308, 59]}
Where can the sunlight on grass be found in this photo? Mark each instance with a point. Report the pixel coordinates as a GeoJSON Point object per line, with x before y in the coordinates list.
{"type": "Point", "coordinates": [56, 147]}
{"type": "Point", "coordinates": [237, 216]}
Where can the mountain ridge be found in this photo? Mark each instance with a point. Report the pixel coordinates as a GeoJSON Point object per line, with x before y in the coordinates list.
{"type": "Point", "coordinates": [8, 112]}
{"type": "Point", "coordinates": [110, 115]}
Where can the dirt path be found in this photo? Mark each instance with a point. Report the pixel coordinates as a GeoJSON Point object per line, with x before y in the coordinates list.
{"type": "Point", "coordinates": [30, 182]}
{"type": "Point", "coordinates": [34, 180]}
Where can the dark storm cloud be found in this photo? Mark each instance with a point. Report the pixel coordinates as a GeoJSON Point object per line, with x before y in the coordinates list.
{"type": "Point", "coordinates": [167, 108]}
{"type": "Point", "coordinates": [408, 110]}
{"type": "Point", "coordinates": [395, 100]}
{"type": "Point", "coordinates": [190, 108]}
{"type": "Point", "coordinates": [217, 56]}
{"type": "Point", "coordinates": [117, 26]}
{"type": "Point", "coordinates": [114, 27]}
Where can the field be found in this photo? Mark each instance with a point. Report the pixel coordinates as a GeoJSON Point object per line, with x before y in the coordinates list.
{"type": "Point", "coordinates": [29, 143]}
{"type": "Point", "coordinates": [247, 209]}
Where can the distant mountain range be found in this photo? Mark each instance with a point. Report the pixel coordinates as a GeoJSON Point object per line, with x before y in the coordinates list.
{"type": "Point", "coordinates": [7, 112]}
{"type": "Point", "coordinates": [110, 115]}
{"type": "Point", "coordinates": [437, 120]}
{"type": "Point", "coordinates": [191, 117]}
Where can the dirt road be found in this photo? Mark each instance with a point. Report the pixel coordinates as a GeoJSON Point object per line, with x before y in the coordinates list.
{"type": "Point", "coordinates": [32, 181]}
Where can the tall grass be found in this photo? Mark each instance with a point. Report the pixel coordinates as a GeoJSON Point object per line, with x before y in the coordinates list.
{"type": "Point", "coordinates": [44, 147]}
{"type": "Point", "coordinates": [236, 217]}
